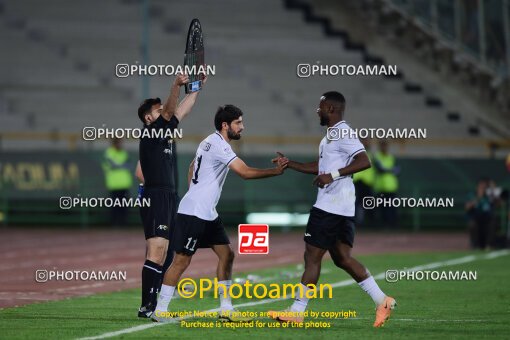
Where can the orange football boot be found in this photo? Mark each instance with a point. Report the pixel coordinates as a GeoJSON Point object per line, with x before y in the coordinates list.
{"type": "Point", "coordinates": [383, 311]}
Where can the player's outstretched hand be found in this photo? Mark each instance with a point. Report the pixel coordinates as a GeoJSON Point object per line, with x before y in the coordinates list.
{"type": "Point", "coordinates": [283, 162]}
{"type": "Point", "coordinates": [322, 180]}
{"type": "Point", "coordinates": [280, 159]}
{"type": "Point", "coordinates": [281, 166]}
{"type": "Point", "coordinates": [181, 79]}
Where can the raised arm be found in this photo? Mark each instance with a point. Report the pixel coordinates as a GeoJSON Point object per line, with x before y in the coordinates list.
{"type": "Point", "coordinates": [187, 103]}
{"type": "Point", "coordinates": [307, 168]}
{"type": "Point", "coordinates": [170, 107]}
{"type": "Point", "coordinates": [139, 173]}
{"type": "Point", "coordinates": [246, 172]}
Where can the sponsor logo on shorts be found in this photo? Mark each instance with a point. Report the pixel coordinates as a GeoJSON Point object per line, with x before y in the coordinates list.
{"type": "Point", "coordinates": [253, 238]}
{"type": "Point", "coordinates": [163, 227]}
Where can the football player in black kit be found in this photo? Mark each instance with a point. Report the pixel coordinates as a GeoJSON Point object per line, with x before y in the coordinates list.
{"type": "Point", "coordinates": [158, 169]}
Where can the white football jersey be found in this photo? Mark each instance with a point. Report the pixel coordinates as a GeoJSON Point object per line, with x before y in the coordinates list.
{"type": "Point", "coordinates": [212, 159]}
{"type": "Point", "coordinates": [339, 196]}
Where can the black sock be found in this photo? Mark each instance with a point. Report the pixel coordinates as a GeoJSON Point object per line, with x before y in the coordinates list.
{"type": "Point", "coordinates": [151, 274]}
{"type": "Point", "coordinates": [159, 282]}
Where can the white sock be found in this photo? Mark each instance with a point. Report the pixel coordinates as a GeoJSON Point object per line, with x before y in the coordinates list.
{"type": "Point", "coordinates": [300, 302]}
{"type": "Point", "coordinates": [165, 296]}
{"type": "Point", "coordinates": [371, 288]}
{"type": "Point", "coordinates": [225, 301]}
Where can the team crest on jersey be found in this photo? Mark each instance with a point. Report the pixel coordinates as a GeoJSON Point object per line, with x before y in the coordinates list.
{"type": "Point", "coordinates": [206, 146]}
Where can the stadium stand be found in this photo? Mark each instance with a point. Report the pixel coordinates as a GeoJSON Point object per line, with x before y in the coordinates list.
{"type": "Point", "coordinates": [61, 74]}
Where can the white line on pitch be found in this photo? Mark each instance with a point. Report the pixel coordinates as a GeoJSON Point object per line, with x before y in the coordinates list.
{"type": "Point", "coordinates": [460, 260]}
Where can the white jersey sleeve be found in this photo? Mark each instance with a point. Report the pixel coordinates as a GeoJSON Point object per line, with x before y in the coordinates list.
{"type": "Point", "coordinates": [349, 146]}
{"type": "Point", "coordinates": [224, 153]}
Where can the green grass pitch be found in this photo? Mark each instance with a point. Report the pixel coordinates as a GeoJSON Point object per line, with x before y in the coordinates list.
{"type": "Point", "coordinates": [426, 309]}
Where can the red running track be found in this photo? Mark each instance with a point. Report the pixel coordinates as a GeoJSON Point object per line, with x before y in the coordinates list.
{"type": "Point", "coordinates": [23, 251]}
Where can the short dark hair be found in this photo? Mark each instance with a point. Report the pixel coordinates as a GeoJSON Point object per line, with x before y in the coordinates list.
{"type": "Point", "coordinates": [226, 113]}
{"type": "Point", "coordinates": [146, 107]}
{"type": "Point", "coordinates": [334, 96]}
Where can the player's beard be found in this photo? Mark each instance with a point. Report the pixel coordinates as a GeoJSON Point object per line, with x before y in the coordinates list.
{"type": "Point", "coordinates": [232, 135]}
{"type": "Point", "coordinates": [324, 120]}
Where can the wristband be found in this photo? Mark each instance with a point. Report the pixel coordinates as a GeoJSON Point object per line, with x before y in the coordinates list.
{"type": "Point", "coordinates": [140, 191]}
{"type": "Point", "coordinates": [335, 174]}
